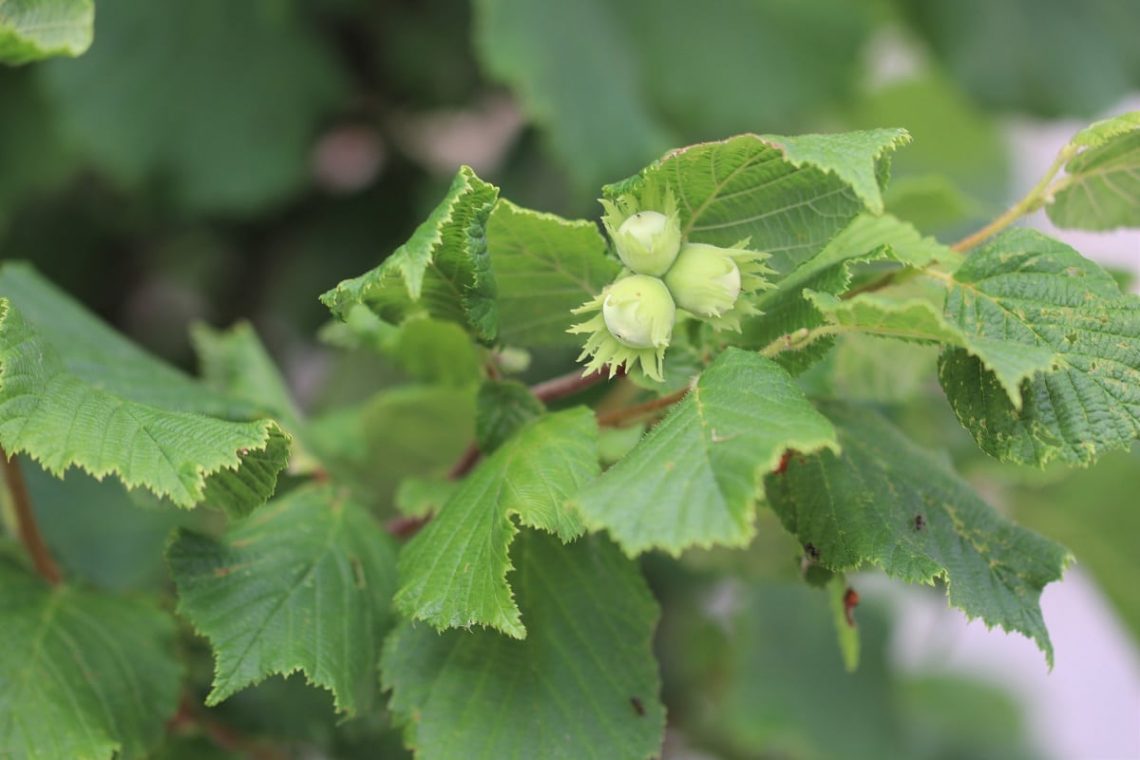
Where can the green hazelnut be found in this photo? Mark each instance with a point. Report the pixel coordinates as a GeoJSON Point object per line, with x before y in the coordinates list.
{"type": "Point", "coordinates": [639, 312]}
{"type": "Point", "coordinates": [705, 280]}
{"type": "Point", "coordinates": [647, 242]}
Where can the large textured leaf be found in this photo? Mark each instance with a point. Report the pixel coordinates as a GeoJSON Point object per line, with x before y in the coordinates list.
{"type": "Point", "coordinates": [74, 393]}
{"type": "Point", "coordinates": [82, 675]}
{"type": "Point", "coordinates": [1102, 187]}
{"type": "Point", "coordinates": [454, 572]}
{"type": "Point", "coordinates": [583, 684]}
{"type": "Point", "coordinates": [918, 320]}
{"type": "Point", "coordinates": [866, 239]}
{"type": "Point", "coordinates": [35, 29]}
{"type": "Point", "coordinates": [789, 197]}
{"type": "Point", "coordinates": [215, 103]}
{"type": "Point", "coordinates": [1026, 289]}
{"type": "Point", "coordinates": [305, 584]}
{"type": "Point", "coordinates": [694, 479]}
{"type": "Point", "coordinates": [886, 502]}
{"type": "Point", "coordinates": [544, 267]}
{"type": "Point", "coordinates": [443, 270]}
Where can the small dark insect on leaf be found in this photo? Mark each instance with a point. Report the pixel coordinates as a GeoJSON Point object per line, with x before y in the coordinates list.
{"type": "Point", "coordinates": [919, 522]}
{"type": "Point", "coordinates": [811, 552]}
{"type": "Point", "coordinates": [850, 602]}
{"type": "Point", "coordinates": [637, 706]}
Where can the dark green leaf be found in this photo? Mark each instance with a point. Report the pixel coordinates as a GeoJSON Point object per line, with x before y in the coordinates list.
{"type": "Point", "coordinates": [884, 501]}
{"type": "Point", "coordinates": [501, 408]}
{"type": "Point", "coordinates": [305, 584]}
{"type": "Point", "coordinates": [583, 684]}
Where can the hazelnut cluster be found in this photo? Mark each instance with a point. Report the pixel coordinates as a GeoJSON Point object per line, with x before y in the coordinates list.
{"type": "Point", "coordinates": [665, 279]}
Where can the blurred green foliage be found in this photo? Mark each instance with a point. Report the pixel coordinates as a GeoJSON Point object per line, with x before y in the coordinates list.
{"type": "Point", "coordinates": [214, 160]}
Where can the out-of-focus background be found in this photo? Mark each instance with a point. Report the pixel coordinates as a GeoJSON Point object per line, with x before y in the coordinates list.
{"type": "Point", "coordinates": [217, 160]}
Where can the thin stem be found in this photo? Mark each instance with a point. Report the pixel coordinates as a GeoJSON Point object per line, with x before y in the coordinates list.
{"type": "Point", "coordinates": [26, 520]}
{"type": "Point", "coordinates": [566, 385]}
{"type": "Point", "coordinates": [1033, 200]}
{"type": "Point", "coordinates": [626, 415]}
{"type": "Point", "coordinates": [794, 341]}
{"type": "Point", "coordinates": [466, 462]}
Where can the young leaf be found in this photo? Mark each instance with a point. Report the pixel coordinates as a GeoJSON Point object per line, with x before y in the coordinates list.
{"type": "Point", "coordinates": [443, 270]}
{"type": "Point", "coordinates": [1027, 290]}
{"type": "Point", "coordinates": [305, 584]}
{"type": "Point", "coordinates": [867, 239]}
{"type": "Point", "coordinates": [31, 30]}
{"type": "Point", "coordinates": [920, 321]}
{"type": "Point", "coordinates": [454, 572]}
{"type": "Point", "coordinates": [694, 479]}
{"type": "Point", "coordinates": [502, 407]}
{"type": "Point", "coordinates": [788, 201]}
{"type": "Point", "coordinates": [583, 684]}
{"type": "Point", "coordinates": [234, 362]}
{"type": "Point", "coordinates": [85, 675]}
{"type": "Point", "coordinates": [74, 393]}
{"type": "Point", "coordinates": [544, 267]}
{"type": "Point", "coordinates": [1102, 187]}
{"type": "Point", "coordinates": [886, 502]}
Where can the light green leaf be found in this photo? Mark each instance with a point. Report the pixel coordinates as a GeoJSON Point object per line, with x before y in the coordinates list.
{"type": "Point", "coordinates": [1101, 189]}
{"type": "Point", "coordinates": [443, 270]}
{"type": "Point", "coordinates": [851, 156]}
{"type": "Point", "coordinates": [74, 393]}
{"type": "Point", "coordinates": [694, 479]}
{"type": "Point", "coordinates": [34, 29]}
{"type": "Point", "coordinates": [85, 675]}
{"type": "Point", "coordinates": [583, 684]}
{"type": "Point", "coordinates": [866, 239]}
{"type": "Point", "coordinates": [502, 407]}
{"type": "Point", "coordinates": [211, 104]}
{"type": "Point", "coordinates": [1026, 289]}
{"type": "Point", "coordinates": [234, 362]}
{"type": "Point", "coordinates": [544, 267]}
{"type": "Point", "coordinates": [305, 584]}
{"type": "Point", "coordinates": [454, 572]}
{"type": "Point", "coordinates": [846, 630]}
{"type": "Point", "coordinates": [918, 320]}
{"type": "Point", "coordinates": [746, 187]}
{"type": "Point", "coordinates": [886, 502]}
{"type": "Point", "coordinates": [1100, 132]}
{"type": "Point", "coordinates": [419, 497]}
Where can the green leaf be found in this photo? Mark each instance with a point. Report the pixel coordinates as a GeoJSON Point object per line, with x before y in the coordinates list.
{"type": "Point", "coordinates": [74, 393]}
{"type": "Point", "coordinates": [419, 497]}
{"type": "Point", "coordinates": [544, 267]}
{"type": "Point", "coordinates": [866, 239]}
{"type": "Point", "coordinates": [502, 407]}
{"type": "Point", "coordinates": [31, 30]}
{"type": "Point", "coordinates": [213, 104]}
{"type": "Point", "coordinates": [305, 584]}
{"type": "Point", "coordinates": [918, 320]}
{"type": "Point", "coordinates": [599, 121]}
{"type": "Point", "coordinates": [884, 501]}
{"type": "Point", "coordinates": [583, 684]}
{"type": "Point", "coordinates": [788, 204]}
{"type": "Point", "coordinates": [851, 156]}
{"type": "Point", "coordinates": [85, 675]}
{"type": "Point", "coordinates": [846, 631]}
{"type": "Point", "coordinates": [1101, 189]}
{"type": "Point", "coordinates": [454, 572]}
{"type": "Point", "coordinates": [694, 479]}
{"type": "Point", "coordinates": [1025, 289]}
{"type": "Point", "coordinates": [442, 271]}
{"type": "Point", "coordinates": [234, 362]}
{"type": "Point", "coordinates": [995, 51]}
